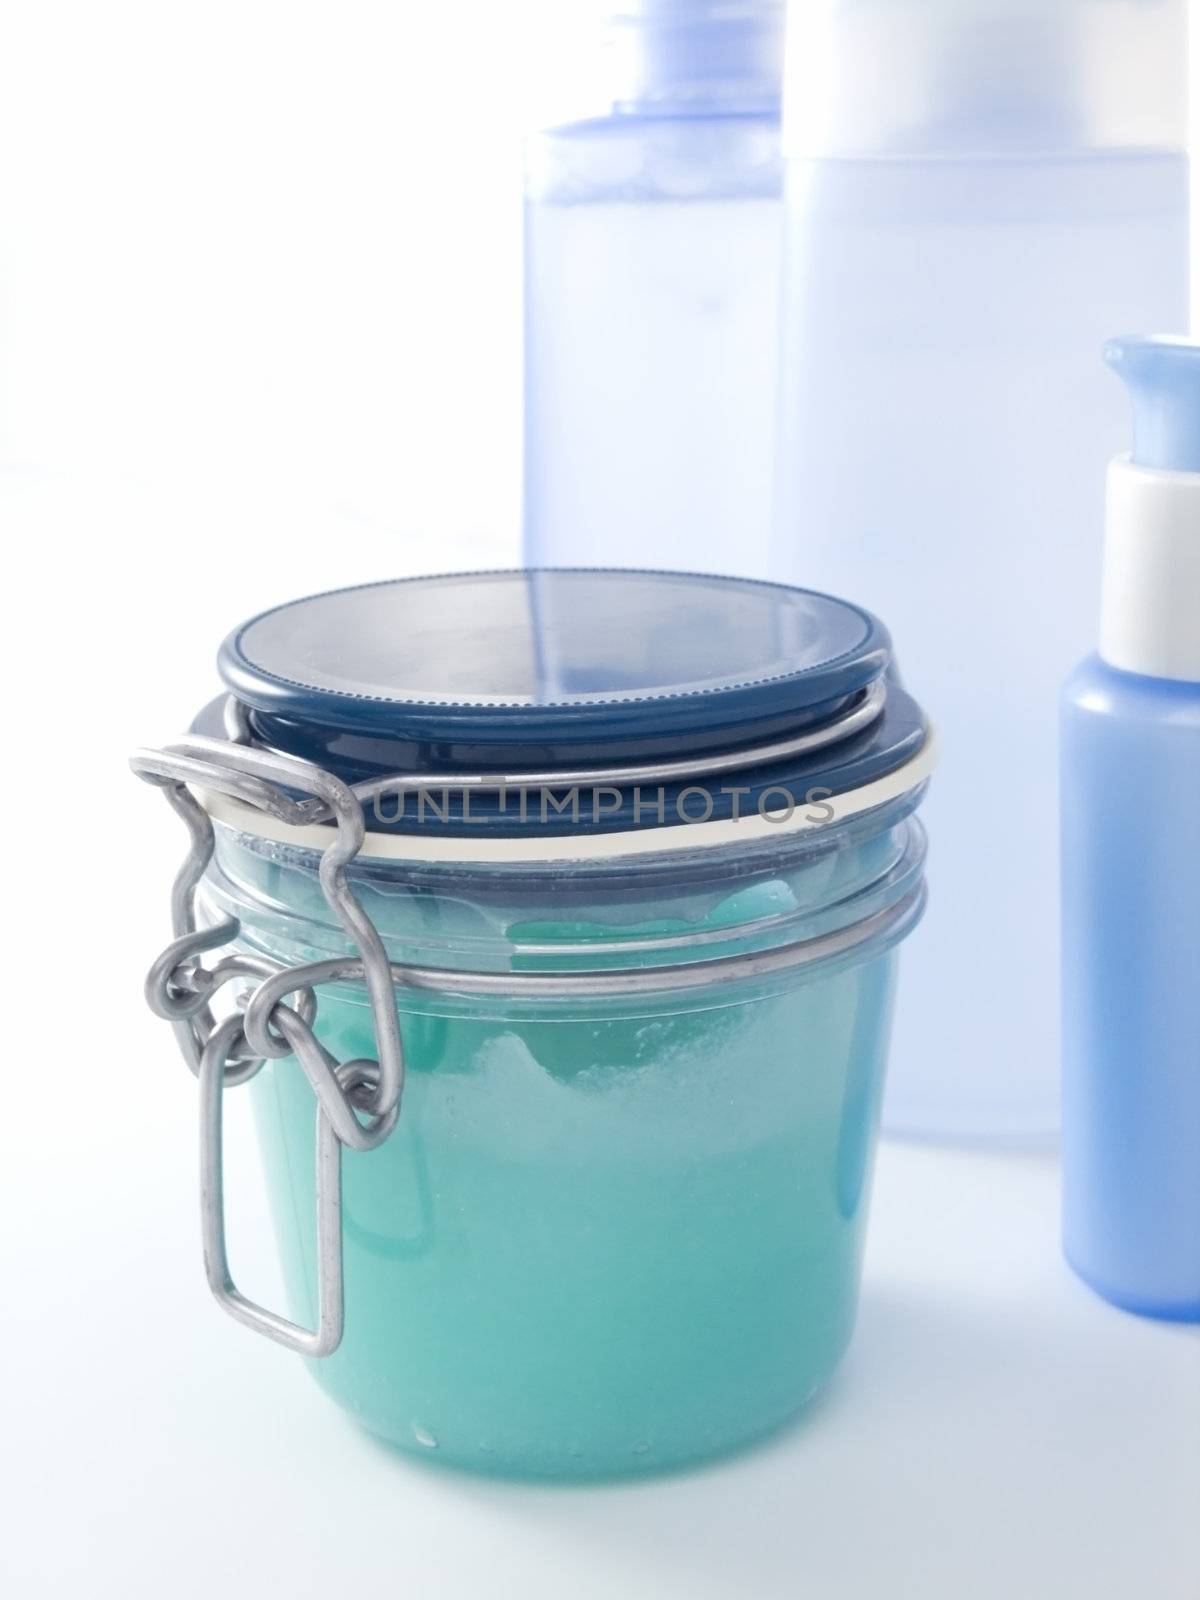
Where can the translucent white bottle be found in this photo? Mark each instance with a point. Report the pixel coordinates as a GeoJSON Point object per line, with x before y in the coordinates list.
{"type": "Point", "coordinates": [979, 192]}
{"type": "Point", "coordinates": [652, 283]}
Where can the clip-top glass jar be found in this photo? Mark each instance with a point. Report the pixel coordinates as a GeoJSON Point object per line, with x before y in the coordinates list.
{"type": "Point", "coordinates": [568, 902]}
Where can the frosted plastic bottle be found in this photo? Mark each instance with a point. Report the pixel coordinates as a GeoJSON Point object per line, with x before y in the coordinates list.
{"type": "Point", "coordinates": [978, 193]}
{"type": "Point", "coordinates": [1131, 868]}
{"type": "Point", "coordinates": [652, 283]}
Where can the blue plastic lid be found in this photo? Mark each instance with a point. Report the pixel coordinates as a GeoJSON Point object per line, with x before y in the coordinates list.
{"type": "Point", "coordinates": [700, 55]}
{"type": "Point", "coordinates": [1162, 374]}
{"type": "Point", "coordinates": [562, 669]}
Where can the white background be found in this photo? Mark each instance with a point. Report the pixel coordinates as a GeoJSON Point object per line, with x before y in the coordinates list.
{"type": "Point", "coordinates": [259, 334]}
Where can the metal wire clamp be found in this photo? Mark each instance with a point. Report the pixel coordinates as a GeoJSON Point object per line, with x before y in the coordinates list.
{"type": "Point", "coordinates": [180, 989]}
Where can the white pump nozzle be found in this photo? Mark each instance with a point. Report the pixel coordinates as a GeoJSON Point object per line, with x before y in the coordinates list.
{"type": "Point", "coordinates": [1150, 602]}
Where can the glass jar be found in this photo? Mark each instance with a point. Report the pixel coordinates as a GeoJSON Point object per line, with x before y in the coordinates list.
{"type": "Point", "coordinates": [618, 1224]}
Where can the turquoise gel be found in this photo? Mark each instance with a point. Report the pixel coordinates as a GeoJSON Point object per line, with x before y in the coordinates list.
{"type": "Point", "coordinates": [608, 1236]}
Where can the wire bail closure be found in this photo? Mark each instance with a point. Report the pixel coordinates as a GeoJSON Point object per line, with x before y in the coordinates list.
{"type": "Point", "coordinates": [228, 1053]}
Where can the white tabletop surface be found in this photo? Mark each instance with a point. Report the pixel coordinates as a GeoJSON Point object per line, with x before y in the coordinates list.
{"type": "Point", "coordinates": [995, 1430]}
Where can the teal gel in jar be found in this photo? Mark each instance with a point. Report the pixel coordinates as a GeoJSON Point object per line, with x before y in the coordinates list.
{"type": "Point", "coordinates": [643, 987]}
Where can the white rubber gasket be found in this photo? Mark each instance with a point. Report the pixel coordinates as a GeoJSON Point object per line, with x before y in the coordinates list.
{"type": "Point", "coordinates": [822, 811]}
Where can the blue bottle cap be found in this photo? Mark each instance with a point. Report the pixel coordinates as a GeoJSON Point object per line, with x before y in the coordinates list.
{"type": "Point", "coordinates": [1162, 374]}
{"type": "Point", "coordinates": [564, 669]}
{"type": "Point", "coordinates": [700, 55]}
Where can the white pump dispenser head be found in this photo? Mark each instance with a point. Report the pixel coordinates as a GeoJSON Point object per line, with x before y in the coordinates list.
{"type": "Point", "coordinates": [1150, 599]}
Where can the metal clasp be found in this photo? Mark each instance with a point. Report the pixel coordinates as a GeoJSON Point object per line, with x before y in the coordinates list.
{"type": "Point", "coordinates": [223, 1054]}
{"type": "Point", "coordinates": [331, 1316]}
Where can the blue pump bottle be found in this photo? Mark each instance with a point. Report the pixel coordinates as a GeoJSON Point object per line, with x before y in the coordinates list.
{"type": "Point", "coordinates": [1131, 867]}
